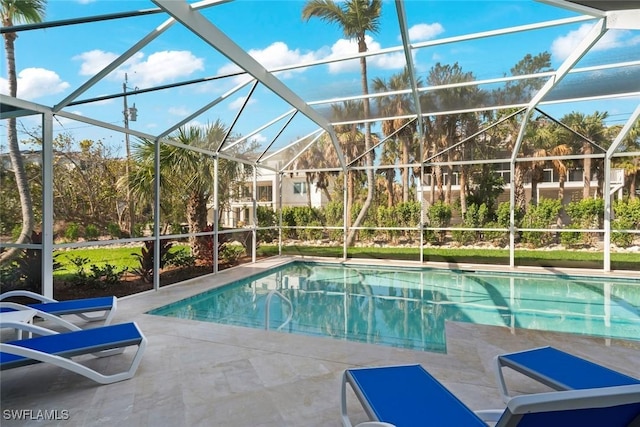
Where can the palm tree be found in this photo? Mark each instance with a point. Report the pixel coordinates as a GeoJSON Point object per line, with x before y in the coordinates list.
{"type": "Point", "coordinates": [443, 131]}
{"type": "Point", "coordinates": [320, 155]}
{"type": "Point", "coordinates": [182, 171]}
{"type": "Point", "coordinates": [514, 93]}
{"type": "Point", "coordinates": [398, 105]}
{"type": "Point", "coordinates": [561, 167]}
{"type": "Point", "coordinates": [356, 18]}
{"type": "Point", "coordinates": [631, 165]}
{"type": "Point", "coordinates": [352, 142]}
{"type": "Point", "coordinates": [591, 132]}
{"type": "Point", "coordinates": [15, 11]}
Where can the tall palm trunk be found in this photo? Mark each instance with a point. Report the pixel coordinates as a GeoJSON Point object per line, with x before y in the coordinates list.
{"type": "Point", "coordinates": [536, 178]}
{"type": "Point", "coordinates": [350, 195]}
{"type": "Point", "coordinates": [389, 182]}
{"type": "Point", "coordinates": [449, 169]}
{"type": "Point", "coordinates": [561, 180]}
{"type": "Point", "coordinates": [438, 170]}
{"type": "Point", "coordinates": [432, 198]}
{"type": "Point", "coordinates": [22, 182]}
{"type": "Point", "coordinates": [405, 170]}
{"type": "Point", "coordinates": [518, 179]}
{"type": "Point", "coordinates": [463, 190]}
{"type": "Point", "coordinates": [586, 174]}
{"type": "Point", "coordinates": [196, 219]}
{"type": "Point", "coordinates": [308, 181]}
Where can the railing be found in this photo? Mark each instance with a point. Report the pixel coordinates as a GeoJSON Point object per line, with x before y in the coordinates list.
{"type": "Point", "coordinates": [268, 309]}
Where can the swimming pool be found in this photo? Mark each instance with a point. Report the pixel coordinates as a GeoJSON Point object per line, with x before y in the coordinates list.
{"type": "Point", "coordinates": [408, 307]}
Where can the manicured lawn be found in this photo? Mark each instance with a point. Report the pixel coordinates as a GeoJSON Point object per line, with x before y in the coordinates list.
{"type": "Point", "coordinates": [122, 258]}
{"type": "Point", "coordinates": [118, 257]}
{"type": "Point", "coordinates": [555, 258]}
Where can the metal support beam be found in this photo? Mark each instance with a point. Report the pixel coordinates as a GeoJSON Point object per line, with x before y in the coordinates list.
{"type": "Point", "coordinates": [156, 216]}
{"type": "Point", "coordinates": [47, 205]}
{"type": "Point", "coordinates": [216, 214]}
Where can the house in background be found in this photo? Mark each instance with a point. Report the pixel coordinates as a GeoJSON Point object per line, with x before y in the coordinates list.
{"type": "Point", "coordinates": [293, 189]}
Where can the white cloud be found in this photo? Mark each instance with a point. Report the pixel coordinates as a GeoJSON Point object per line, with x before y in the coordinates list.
{"type": "Point", "coordinates": [162, 67]}
{"type": "Point", "coordinates": [34, 83]}
{"type": "Point", "coordinates": [259, 138]}
{"type": "Point", "coordinates": [422, 32]}
{"type": "Point", "coordinates": [278, 54]}
{"type": "Point", "coordinates": [93, 61]}
{"type": "Point", "coordinates": [344, 47]}
{"type": "Point", "coordinates": [236, 104]}
{"type": "Point", "coordinates": [275, 55]}
{"type": "Point", "coordinates": [181, 111]}
{"type": "Point", "coordinates": [158, 68]}
{"type": "Point", "coordinates": [562, 46]}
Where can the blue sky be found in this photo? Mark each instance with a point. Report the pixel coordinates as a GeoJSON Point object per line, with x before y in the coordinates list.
{"type": "Point", "coordinates": [51, 63]}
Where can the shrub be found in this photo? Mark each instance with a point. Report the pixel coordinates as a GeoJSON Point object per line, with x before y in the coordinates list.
{"type": "Point", "coordinates": [312, 233]}
{"type": "Point", "coordinates": [97, 276]}
{"type": "Point", "coordinates": [25, 272]}
{"type": "Point", "coordinates": [180, 258]}
{"type": "Point", "coordinates": [10, 277]}
{"type": "Point", "coordinates": [543, 215]}
{"type": "Point", "coordinates": [72, 232]}
{"type": "Point", "coordinates": [628, 212]}
{"type": "Point", "coordinates": [138, 230]}
{"type": "Point", "coordinates": [439, 215]}
{"type": "Point", "coordinates": [408, 213]}
{"type": "Point", "coordinates": [499, 238]}
{"type": "Point", "coordinates": [621, 239]}
{"type": "Point", "coordinates": [288, 221]}
{"type": "Point", "coordinates": [464, 237]}
{"type": "Point", "coordinates": [114, 230]}
{"type": "Point", "coordinates": [91, 232]}
{"type": "Point", "coordinates": [387, 217]}
{"type": "Point", "coordinates": [475, 217]}
{"type": "Point", "coordinates": [266, 218]}
{"type": "Point", "coordinates": [146, 258]}
{"type": "Point", "coordinates": [503, 215]}
{"type": "Point", "coordinates": [587, 213]}
{"type": "Point", "coordinates": [571, 239]}
{"type": "Point", "coordinates": [231, 252]}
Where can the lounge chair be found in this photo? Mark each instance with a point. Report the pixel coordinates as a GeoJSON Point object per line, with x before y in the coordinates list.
{"type": "Point", "coordinates": [558, 370]}
{"type": "Point", "coordinates": [58, 348]}
{"type": "Point", "coordinates": [78, 307]}
{"type": "Point", "coordinates": [409, 396]}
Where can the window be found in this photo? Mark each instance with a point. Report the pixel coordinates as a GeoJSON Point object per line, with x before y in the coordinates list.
{"type": "Point", "coordinates": [299, 188]}
{"type": "Point", "coordinates": [265, 193]}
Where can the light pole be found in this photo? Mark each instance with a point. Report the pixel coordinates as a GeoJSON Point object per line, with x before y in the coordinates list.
{"type": "Point", "coordinates": [129, 114]}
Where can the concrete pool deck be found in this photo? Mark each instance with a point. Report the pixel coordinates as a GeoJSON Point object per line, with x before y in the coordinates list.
{"type": "Point", "coordinates": [205, 374]}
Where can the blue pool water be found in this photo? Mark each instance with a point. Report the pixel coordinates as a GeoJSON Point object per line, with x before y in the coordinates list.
{"type": "Point", "coordinates": [408, 307]}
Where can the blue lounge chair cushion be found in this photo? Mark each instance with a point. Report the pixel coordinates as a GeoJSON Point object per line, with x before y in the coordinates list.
{"type": "Point", "coordinates": [75, 343]}
{"type": "Point", "coordinates": [75, 306]}
{"type": "Point", "coordinates": [408, 396]}
{"type": "Point", "coordinates": [400, 395]}
{"type": "Point", "coordinates": [563, 371]}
